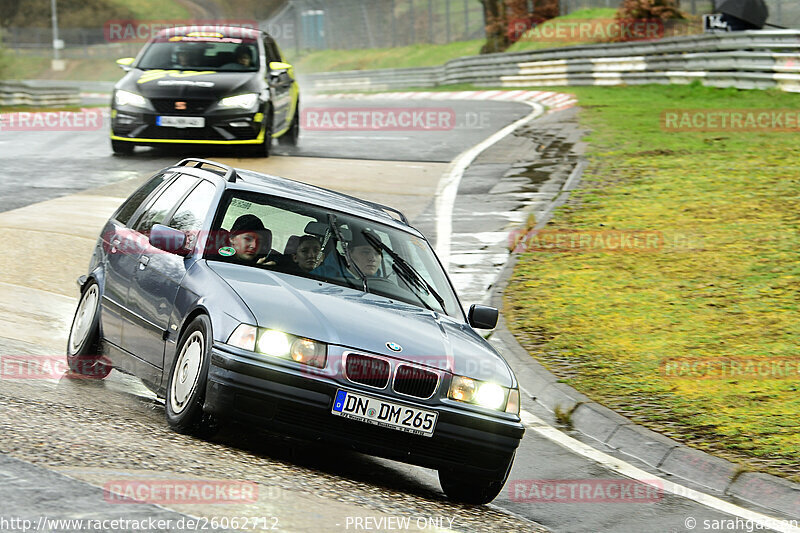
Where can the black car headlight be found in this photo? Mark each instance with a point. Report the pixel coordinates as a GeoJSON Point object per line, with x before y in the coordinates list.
{"type": "Point", "coordinates": [240, 101]}
{"type": "Point", "coordinates": [279, 344]}
{"type": "Point", "coordinates": [127, 98]}
{"type": "Point", "coordinates": [485, 394]}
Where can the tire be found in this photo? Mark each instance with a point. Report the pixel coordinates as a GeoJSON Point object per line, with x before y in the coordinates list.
{"type": "Point", "coordinates": [264, 149]}
{"type": "Point", "coordinates": [292, 135]}
{"type": "Point", "coordinates": [187, 381]}
{"type": "Point", "coordinates": [83, 345]}
{"type": "Point", "coordinates": [122, 148]}
{"type": "Point", "coordinates": [464, 487]}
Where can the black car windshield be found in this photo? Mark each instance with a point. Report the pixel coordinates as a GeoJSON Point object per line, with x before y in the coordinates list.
{"type": "Point", "coordinates": [305, 240]}
{"type": "Point", "coordinates": [204, 52]}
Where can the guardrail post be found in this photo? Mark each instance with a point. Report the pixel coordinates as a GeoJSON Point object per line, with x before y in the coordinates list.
{"type": "Point", "coordinates": [430, 21]}
{"type": "Point", "coordinates": [466, 19]}
{"type": "Point", "coordinates": [447, 21]}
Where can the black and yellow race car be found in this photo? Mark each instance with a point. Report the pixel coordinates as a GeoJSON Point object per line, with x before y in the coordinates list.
{"type": "Point", "coordinates": [220, 85]}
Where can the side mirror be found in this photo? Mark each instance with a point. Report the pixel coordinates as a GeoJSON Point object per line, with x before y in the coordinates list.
{"type": "Point", "coordinates": [126, 62]}
{"type": "Point", "coordinates": [280, 71]}
{"type": "Point", "coordinates": [482, 317]}
{"type": "Point", "coordinates": [169, 240]}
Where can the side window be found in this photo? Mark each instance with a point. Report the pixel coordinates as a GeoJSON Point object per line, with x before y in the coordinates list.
{"type": "Point", "coordinates": [272, 51]}
{"type": "Point", "coordinates": [158, 211]}
{"type": "Point", "coordinates": [132, 204]}
{"type": "Point", "coordinates": [193, 210]}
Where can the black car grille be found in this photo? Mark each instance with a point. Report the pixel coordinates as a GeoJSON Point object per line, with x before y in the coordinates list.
{"type": "Point", "coordinates": [367, 370]}
{"type": "Point", "coordinates": [193, 107]}
{"type": "Point", "coordinates": [415, 381]}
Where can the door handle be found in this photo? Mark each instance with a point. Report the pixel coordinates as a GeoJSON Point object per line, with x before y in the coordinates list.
{"type": "Point", "coordinates": [143, 261]}
{"type": "Point", "coordinates": [114, 243]}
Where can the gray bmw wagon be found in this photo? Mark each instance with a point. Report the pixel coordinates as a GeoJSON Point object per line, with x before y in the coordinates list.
{"type": "Point", "coordinates": [300, 310]}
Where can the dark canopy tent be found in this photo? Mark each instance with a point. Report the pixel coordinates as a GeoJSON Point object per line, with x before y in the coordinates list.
{"type": "Point", "coordinates": [743, 14]}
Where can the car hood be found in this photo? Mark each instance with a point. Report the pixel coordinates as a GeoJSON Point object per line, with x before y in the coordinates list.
{"type": "Point", "coordinates": [353, 319]}
{"type": "Point", "coordinates": [189, 84]}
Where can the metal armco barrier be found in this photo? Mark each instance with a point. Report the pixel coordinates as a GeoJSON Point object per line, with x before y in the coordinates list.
{"type": "Point", "coordinates": [745, 60]}
{"type": "Point", "coordinates": [26, 94]}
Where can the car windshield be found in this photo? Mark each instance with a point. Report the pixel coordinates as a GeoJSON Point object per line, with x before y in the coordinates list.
{"type": "Point", "coordinates": [205, 52]}
{"type": "Point", "coordinates": [310, 241]}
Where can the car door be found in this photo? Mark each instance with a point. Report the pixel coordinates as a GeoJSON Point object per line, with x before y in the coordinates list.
{"type": "Point", "coordinates": [120, 256]}
{"type": "Point", "coordinates": [280, 81]}
{"type": "Point", "coordinates": [158, 275]}
{"type": "Point", "coordinates": [136, 325]}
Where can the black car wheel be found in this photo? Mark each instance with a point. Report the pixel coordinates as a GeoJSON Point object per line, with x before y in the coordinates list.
{"type": "Point", "coordinates": [292, 135]}
{"type": "Point", "coordinates": [120, 147]}
{"type": "Point", "coordinates": [83, 348]}
{"type": "Point", "coordinates": [472, 489]}
{"type": "Point", "coordinates": [187, 381]}
{"type": "Point", "coordinates": [263, 149]}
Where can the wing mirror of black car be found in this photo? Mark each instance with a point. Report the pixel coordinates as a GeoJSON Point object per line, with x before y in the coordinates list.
{"type": "Point", "coordinates": [482, 317]}
{"type": "Point", "coordinates": [280, 71]}
{"type": "Point", "coordinates": [168, 239]}
{"type": "Point", "coordinates": [125, 63]}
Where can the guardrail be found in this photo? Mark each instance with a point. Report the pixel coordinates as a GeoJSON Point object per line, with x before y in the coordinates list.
{"type": "Point", "coordinates": [28, 94]}
{"type": "Point", "coordinates": [745, 60]}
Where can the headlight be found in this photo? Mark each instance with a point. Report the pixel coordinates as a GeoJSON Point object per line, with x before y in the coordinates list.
{"type": "Point", "coordinates": [279, 344]}
{"type": "Point", "coordinates": [129, 98]}
{"type": "Point", "coordinates": [483, 393]}
{"type": "Point", "coordinates": [243, 101]}
{"type": "Point", "coordinates": [244, 337]}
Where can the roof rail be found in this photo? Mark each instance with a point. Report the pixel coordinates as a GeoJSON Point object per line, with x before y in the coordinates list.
{"type": "Point", "coordinates": [378, 206]}
{"type": "Point", "coordinates": [230, 172]}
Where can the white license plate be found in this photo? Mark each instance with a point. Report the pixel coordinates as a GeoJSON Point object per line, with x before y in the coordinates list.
{"type": "Point", "coordinates": [385, 414]}
{"type": "Point", "coordinates": [181, 122]}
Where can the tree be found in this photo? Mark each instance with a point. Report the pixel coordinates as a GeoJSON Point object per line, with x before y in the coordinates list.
{"type": "Point", "coordinates": [649, 10]}
{"type": "Point", "coordinates": [506, 20]}
{"type": "Point", "coordinates": [494, 13]}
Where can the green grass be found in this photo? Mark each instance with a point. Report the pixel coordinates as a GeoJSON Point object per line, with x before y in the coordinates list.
{"type": "Point", "coordinates": [154, 9]}
{"type": "Point", "coordinates": [529, 41]}
{"type": "Point", "coordinates": [418, 55]}
{"type": "Point", "coordinates": [29, 67]}
{"type": "Point", "coordinates": [726, 283]}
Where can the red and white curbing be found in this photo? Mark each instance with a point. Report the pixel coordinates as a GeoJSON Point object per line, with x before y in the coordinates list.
{"type": "Point", "coordinates": [553, 101]}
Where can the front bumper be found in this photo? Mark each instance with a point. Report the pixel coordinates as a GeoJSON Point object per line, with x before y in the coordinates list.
{"type": "Point", "coordinates": [294, 403]}
{"type": "Point", "coordinates": [140, 126]}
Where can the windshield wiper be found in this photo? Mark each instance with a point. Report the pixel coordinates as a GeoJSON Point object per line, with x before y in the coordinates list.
{"type": "Point", "coordinates": [337, 234]}
{"type": "Point", "coordinates": [407, 272]}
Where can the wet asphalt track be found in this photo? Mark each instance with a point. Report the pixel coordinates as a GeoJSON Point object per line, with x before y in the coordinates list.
{"type": "Point", "coordinates": [36, 166]}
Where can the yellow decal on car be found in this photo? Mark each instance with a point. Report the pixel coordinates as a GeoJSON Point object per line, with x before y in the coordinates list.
{"type": "Point", "coordinates": [152, 75]}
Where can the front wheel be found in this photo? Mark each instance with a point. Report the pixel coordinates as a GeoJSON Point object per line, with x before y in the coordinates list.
{"type": "Point", "coordinates": [292, 136]}
{"type": "Point", "coordinates": [83, 346]}
{"type": "Point", "coordinates": [264, 149]}
{"type": "Point", "coordinates": [471, 489]}
{"type": "Point", "coordinates": [122, 148]}
{"type": "Point", "coordinates": [187, 381]}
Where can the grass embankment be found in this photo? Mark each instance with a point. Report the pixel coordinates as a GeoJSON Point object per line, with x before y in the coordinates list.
{"type": "Point", "coordinates": [418, 55]}
{"type": "Point", "coordinates": [725, 285]}
{"type": "Point", "coordinates": [427, 55]}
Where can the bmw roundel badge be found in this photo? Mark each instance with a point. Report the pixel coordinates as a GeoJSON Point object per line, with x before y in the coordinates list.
{"type": "Point", "coordinates": [393, 346]}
